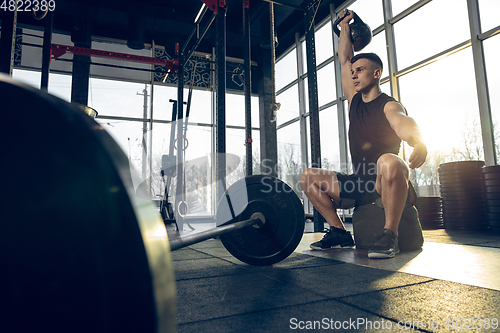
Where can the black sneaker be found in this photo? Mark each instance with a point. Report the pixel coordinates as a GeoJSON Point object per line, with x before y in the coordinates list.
{"type": "Point", "coordinates": [334, 237]}
{"type": "Point", "coordinates": [386, 246]}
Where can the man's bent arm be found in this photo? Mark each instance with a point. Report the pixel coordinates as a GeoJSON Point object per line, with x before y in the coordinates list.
{"type": "Point", "coordinates": [406, 129]}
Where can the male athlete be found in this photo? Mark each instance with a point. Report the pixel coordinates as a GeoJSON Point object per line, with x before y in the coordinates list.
{"type": "Point", "coordinates": [377, 124]}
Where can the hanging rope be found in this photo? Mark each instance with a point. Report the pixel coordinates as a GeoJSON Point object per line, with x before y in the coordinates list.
{"type": "Point", "coordinates": [275, 106]}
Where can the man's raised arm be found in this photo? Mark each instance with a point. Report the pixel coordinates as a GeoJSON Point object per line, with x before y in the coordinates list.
{"type": "Point", "coordinates": [346, 53]}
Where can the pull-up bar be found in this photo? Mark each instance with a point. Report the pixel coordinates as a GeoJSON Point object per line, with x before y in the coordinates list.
{"type": "Point", "coordinates": [57, 51]}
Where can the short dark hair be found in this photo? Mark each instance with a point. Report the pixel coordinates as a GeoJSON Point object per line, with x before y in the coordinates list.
{"type": "Point", "coordinates": [370, 56]}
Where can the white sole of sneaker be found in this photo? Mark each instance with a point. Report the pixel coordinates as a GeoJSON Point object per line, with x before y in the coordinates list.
{"type": "Point", "coordinates": [376, 255]}
{"type": "Point", "coordinates": [330, 248]}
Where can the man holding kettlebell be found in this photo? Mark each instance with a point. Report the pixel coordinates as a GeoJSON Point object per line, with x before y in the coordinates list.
{"type": "Point", "coordinates": [377, 124]}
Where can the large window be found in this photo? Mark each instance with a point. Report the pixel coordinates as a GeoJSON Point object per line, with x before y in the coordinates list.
{"type": "Point", "coordinates": [324, 43]}
{"type": "Point", "coordinates": [286, 70]}
{"type": "Point", "coordinates": [118, 98]}
{"type": "Point", "coordinates": [442, 98]}
{"type": "Point", "coordinates": [289, 101]}
{"type": "Point", "coordinates": [370, 11]}
{"type": "Point", "coordinates": [326, 84]}
{"type": "Point", "coordinates": [289, 155]}
{"type": "Point", "coordinates": [400, 5]}
{"type": "Point", "coordinates": [329, 132]}
{"type": "Point", "coordinates": [425, 32]}
{"type": "Point", "coordinates": [488, 12]}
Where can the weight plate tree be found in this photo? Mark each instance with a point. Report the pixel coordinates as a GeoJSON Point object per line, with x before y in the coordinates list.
{"type": "Point", "coordinates": [79, 251]}
{"type": "Point", "coordinates": [462, 194]}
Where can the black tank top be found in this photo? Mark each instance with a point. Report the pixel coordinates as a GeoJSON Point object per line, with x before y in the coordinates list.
{"type": "Point", "coordinates": [370, 134]}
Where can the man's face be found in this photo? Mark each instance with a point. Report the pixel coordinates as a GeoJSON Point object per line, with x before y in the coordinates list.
{"type": "Point", "coordinates": [364, 74]}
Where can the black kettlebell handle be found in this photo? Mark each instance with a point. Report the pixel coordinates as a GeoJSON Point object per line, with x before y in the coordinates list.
{"type": "Point", "coordinates": [336, 23]}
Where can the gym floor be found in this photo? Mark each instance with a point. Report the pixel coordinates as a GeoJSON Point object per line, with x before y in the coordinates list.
{"type": "Point", "coordinates": [452, 283]}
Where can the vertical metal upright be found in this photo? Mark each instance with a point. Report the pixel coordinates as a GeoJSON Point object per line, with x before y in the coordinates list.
{"type": "Point", "coordinates": [341, 112]}
{"type": "Point", "coordinates": [47, 43]}
{"type": "Point", "coordinates": [151, 99]}
{"type": "Point", "coordinates": [268, 133]}
{"type": "Point", "coordinates": [248, 87]}
{"type": "Point", "coordinates": [179, 191]}
{"type": "Point", "coordinates": [7, 42]}
{"type": "Point", "coordinates": [144, 133]}
{"type": "Point", "coordinates": [312, 82]}
{"type": "Point", "coordinates": [483, 95]}
{"type": "Point", "coordinates": [391, 49]}
{"type": "Point", "coordinates": [81, 36]}
{"type": "Point", "coordinates": [302, 111]}
{"type": "Point", "coordinates": [220, 105]}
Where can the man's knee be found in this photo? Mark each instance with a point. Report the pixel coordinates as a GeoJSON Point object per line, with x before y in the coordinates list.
{"type": "Point", "coordinates": [392, 167]}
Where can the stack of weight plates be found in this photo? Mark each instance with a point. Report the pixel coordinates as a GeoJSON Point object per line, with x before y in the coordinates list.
{"type": "Point", "coordinates": [492, 194]}
{"type": "Point", "coordinates": [462, 194]}
{"type": "Point", "coordinates": [430, 212]}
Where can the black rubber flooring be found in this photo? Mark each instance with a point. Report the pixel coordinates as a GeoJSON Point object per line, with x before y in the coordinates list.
{"type": "Point", "coordinates": [218, 293]}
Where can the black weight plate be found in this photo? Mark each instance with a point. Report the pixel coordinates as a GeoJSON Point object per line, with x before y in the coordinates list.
{"type": "Point", "coordinates": [428, 203]}
{"type": "Point", "coordinates": [478, 221]}
{"type": "Point", "coordinates": [461, 173]}
{"type": "Point", "coordinates": [461, 180]}
{"type": "Point", "coordinates": [492, 203]}
{"type": "Point", "coordinates": [492, 182]}
{"type": "Point", "coordinates": [491, 175]}
{"type": "Point", "coordinates": [464, 226]}
{"type": "Point", "coordinates": [462, 165]}
{"type": "Point", "coordinates": [463, 203]}
{"type": "Point", "coordinates": [492, 196]}
{"type": "Point", "coordinates": [430, 217]}
{"type": "Point", "coordinates": [467, 217]}
{"type": "Point", "coordinates": [493, 209]}
{"type": "Point", "coordinates": [82, 254]}
{"type": "Point", "coordinates": [463, 200]}
{"type": "Point", "coordinates": [464, 211]}
{"type": "Point", "coordinates": [492, 189]}
{"type": "Point", "coordinates": [429, 206]}
{"type": "Point", "coordinates": [433, 221]}
{"type": "Point", "coordinates": [459, 194]}
{"type": "Point", "coordinates": [464, 214]}
{"type": "Point", "coordinates": [285, 220]}
{"type": "Point", "coordinates": [493, 216]}
{"type": "Point", "coordinates": [427, 211]}
{"type": "Point", "coordinates": [466, 180]}
{"type": "Point", "coordinates": [492, 169]}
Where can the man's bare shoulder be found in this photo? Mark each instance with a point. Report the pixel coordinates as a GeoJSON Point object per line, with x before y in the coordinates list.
{"type": "Point", "coordinates": [394, 107]}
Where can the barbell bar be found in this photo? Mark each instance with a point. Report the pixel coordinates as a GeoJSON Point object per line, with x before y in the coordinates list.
{"type": "Point", "coordinates": [181, 242]}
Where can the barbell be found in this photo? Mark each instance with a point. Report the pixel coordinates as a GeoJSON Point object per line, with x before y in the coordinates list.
{"type": "Point", "coordinates": [80, 250]}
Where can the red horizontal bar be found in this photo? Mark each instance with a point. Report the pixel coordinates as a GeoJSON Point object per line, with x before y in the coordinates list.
{"type": "Point", "coordinates": [59, 50]}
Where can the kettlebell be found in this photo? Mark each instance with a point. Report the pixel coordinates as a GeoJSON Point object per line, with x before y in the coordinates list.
{"type": "Point", "coordinates": [361, 34]}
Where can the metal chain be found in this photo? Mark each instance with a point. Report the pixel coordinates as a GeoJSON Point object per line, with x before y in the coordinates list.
{"type": "Point", "coordinates": [275, 106]}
